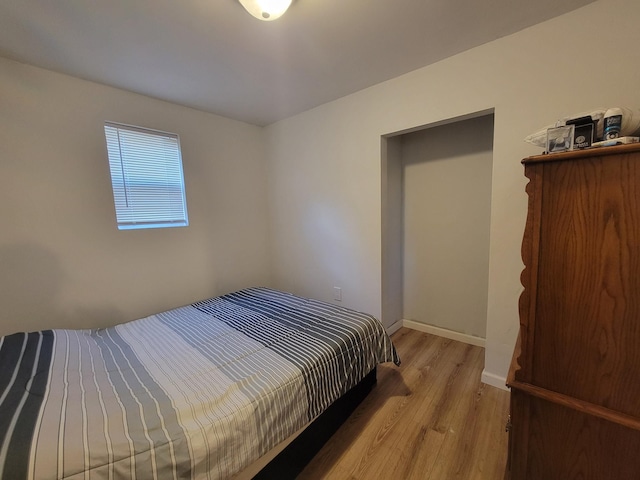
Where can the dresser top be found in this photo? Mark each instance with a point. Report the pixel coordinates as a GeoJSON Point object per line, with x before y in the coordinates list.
{"type": "Point", "coordinates": [584, 153]}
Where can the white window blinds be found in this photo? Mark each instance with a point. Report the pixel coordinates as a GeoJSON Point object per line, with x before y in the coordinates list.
{"type": "Point", "coordinates": [147, 178]}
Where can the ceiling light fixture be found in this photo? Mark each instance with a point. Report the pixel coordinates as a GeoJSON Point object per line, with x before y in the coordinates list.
{"type": "Point", "coordinates": [266, 10]}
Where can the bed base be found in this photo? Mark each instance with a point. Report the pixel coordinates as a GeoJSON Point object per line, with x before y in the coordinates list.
{"type": "Point", "coordinates": [294, 458]}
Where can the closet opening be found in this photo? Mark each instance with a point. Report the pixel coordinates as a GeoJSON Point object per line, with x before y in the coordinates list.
{"type": "Point", "coordinates": [436, 210]}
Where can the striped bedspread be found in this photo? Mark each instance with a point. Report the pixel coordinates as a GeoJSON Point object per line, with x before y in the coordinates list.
{"type": "Point", "coordinates": [196, 392]}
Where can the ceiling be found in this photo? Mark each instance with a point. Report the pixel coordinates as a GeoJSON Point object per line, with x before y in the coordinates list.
{"type": "Point", "coordinates": [212, 55]}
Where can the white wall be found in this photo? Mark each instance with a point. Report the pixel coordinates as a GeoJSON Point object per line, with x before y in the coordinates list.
{"type": "Point", "coordinates": [325, 165]}
{"type": "Point", "coordinates": [63, 262]}
{"type": "Point", "coordinates": [447, 211]}
{"type": "Point", "coordinates": [392, 234]}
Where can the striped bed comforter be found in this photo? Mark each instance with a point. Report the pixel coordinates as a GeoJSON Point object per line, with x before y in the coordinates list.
{"type": "Point", "coordinates": [196, 392]}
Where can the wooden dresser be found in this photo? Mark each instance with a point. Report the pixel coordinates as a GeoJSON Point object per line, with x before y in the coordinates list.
{"type": "Point", "coordinates": [575, 373]}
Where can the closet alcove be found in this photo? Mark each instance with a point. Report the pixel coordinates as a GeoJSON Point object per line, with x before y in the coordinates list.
{"type": "Point", "coordinates": [436, 207]}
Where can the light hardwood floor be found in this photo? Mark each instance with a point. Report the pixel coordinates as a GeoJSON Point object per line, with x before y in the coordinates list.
{"type": "Point", "coordinates": [430, 418]}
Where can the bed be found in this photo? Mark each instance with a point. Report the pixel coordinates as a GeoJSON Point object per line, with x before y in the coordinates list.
{"type": "Point", "coordinates": [201, 391]}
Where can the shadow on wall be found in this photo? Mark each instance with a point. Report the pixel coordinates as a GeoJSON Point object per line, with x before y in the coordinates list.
{"type": "Point", "coordinates": [31, 283]}
{"type": "Point", "coordinates": [457, 139]}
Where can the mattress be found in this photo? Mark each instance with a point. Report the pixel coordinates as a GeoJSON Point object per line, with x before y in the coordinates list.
{"type": "Point", "coordinates": [200, 391]}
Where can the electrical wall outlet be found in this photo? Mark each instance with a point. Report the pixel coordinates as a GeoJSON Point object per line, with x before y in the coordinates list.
{"type": "Point", "coordinates": [337, 293]}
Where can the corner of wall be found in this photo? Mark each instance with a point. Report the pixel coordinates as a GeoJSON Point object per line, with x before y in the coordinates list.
{"type": "Point", "coordinates": [494, 380]}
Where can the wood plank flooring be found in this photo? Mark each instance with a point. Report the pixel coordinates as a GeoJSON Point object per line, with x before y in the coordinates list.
{"type": "Point", "coordinates": [430, 418]}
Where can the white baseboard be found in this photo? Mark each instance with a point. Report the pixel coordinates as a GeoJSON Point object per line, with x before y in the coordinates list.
{"type": "Point", "coordinates": [394, 328]}
{"type": "Point", "coordinates": [443, 332]}
{"type": "Point", "coordinates": [494, 380]}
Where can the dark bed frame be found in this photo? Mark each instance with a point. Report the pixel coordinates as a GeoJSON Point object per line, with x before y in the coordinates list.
{"type": "Point", "coordinates": [294, 458]}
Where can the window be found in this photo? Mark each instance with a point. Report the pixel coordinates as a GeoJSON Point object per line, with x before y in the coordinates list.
{"type": "Point", "coordinates": [147, 179]}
